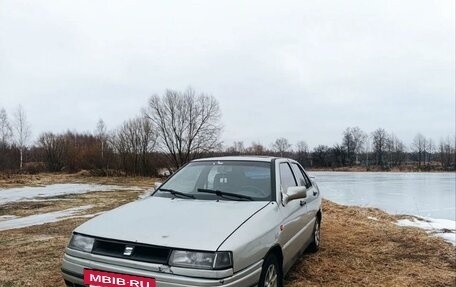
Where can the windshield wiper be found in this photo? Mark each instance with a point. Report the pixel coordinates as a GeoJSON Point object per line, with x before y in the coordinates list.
{"type": "Point", "coordinates": [223, 193]}
{"type": "Point", "coordinates": [175, 192]}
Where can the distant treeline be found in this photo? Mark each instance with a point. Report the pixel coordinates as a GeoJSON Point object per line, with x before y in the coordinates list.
{"type": "Point", "coordinates": [180, 126]}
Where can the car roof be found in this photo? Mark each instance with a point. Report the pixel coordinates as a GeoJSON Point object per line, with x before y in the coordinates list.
{"type": "Point", "coordinates": [239, 158]}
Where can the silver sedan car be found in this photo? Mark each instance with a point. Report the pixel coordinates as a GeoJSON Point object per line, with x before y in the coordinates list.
{"type": "Point", "coordinates": [226, 221]}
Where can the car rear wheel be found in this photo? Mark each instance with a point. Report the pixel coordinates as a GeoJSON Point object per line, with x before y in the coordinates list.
{"type": "Point", "coordinates": [316, 240]}
{"type": "Point", "coordinates": [271, 274]}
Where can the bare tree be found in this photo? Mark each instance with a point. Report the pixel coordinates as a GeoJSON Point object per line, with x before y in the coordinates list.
{"type": "Point", "coordinates": [338, 155]}
{"type": "Point", "coordinates": [6, 159]}
{"type": "Point", "coordinates": [281, 145]}
{"type": "Point", "coordinates": [389, 146]}
{"type": "Point", "coordinates": [237, 148]}
{"type": "Point", "coordinates": [321, 156]}
{"type": "Point", "coordinates": [102, 135]}
{"type": "Point", "coordinates": [134, 141]}
{"type": "Point", "coordinates": [54, 148]}
{"type": "Point", "coordinates": [379, 142]}
{"type": "Point", "coordinates": [256, 148]}
{"type": "Point", "coordinates": [419, 147]}
{"type": "Point", "coordinates": [302, 152]}
{"type": "Point", "coordinates": [348, 145]}
{"type": "Point", "coordinates": [301, 146]}
{"type": "Point", "coordinates": [352, 141]}
{"type": "Point", "coordinates": [187, 124]}
{"type": "Point", "coordinates": [396, 149]}
{"type": "Point", "coordinates": [359, 139]}
{"type": "Point", "coordinates": [5, 129]}
{"type": "Point", "coordinates": [430, 149]}
{"type": "Point", "coordinates": [367, 149]}
{"type": "Point", "coordinates": [21, 132]}
{"type": "Point", "coordinates": [447, 151]}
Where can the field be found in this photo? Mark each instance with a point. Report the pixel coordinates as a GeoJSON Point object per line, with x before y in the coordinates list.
{"type": "Point", "coordinates": [361, 247]}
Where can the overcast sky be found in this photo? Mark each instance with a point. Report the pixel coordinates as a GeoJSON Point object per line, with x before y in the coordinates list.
{"type": "Point", "coordinates": [303, 70]}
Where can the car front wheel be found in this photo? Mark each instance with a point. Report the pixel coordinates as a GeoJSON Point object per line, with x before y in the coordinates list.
{"type": "Point", "coordinates": [271, 274]}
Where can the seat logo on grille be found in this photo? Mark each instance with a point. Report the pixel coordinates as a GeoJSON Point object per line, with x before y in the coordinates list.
{"type": "Point", "coordinates": [128, 250]}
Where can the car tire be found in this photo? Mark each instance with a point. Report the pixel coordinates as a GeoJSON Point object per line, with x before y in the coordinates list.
{"type": "Point", "coordinates": [316, 237]}
{"type": "Point", "coordinates": [271, 273]}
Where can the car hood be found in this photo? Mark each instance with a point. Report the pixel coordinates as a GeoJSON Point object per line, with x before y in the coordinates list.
{"type": "Point", "coordinates": [179, 223]}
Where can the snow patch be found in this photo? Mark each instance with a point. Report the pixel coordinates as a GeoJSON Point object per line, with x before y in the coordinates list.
{"type": "Point", "coordinates": [7, 217]}
{"type": "Point", "coordinates": [38, 219]}
{"type": "Point", "coordinates": [443, 228]}
{"type": "Point", "coordinates": [372, 218]}
{"type": "Point", "coordinates": [32, 193]}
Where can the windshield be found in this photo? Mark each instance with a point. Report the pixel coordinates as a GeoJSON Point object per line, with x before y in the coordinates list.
{"type": "Point", "coordinates": [249, 179]}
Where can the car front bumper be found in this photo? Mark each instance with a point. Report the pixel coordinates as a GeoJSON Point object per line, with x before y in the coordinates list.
{"type": "Point", "coordinates": [73, 269]}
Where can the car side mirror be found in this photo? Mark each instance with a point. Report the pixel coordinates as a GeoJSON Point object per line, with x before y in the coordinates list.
{"type": "Point", "coordinates": [294, 192]}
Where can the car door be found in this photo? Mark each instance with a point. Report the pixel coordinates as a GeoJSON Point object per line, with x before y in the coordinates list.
{"type": "Point", "coordinates": [313, 194]}
{"type": "Point", "coordinates": [293, 217]}
{"type": "Point", "coordinates": [310, 202]}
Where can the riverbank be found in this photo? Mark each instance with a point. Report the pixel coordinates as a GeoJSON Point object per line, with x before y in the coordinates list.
{"type": "Point", "coordinates": [365, 247]}
{"type": "Point", "coordinates": [360, 247]}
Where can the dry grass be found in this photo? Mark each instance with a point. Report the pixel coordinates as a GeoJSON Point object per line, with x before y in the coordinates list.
{"type": "Point", "coordinates": [356, 251]}
{"type": "Point", "coordinates": [103, 199]}
{"type": "Point", "coordinates": [31, 256]}
{"type": "Point", "coordinates": [17, 180]}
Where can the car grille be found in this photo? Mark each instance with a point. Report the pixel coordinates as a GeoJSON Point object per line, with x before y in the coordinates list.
{"type": "Point", "coordinates": [141, 252]}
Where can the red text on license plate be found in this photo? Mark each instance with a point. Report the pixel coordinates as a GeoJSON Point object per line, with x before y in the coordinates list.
{"type": "Point", "coordinates": [108, 279]}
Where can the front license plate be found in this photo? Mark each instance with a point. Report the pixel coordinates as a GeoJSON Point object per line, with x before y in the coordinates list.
{"type": "Point", "coordinates": [96, 278]}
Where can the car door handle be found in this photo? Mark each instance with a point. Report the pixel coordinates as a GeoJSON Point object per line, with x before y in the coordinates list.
{"type": "Point", "coordinates": [302, 202]}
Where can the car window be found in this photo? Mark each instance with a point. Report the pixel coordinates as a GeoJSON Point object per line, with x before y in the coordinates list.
{"type": "Point", "coordinates": [298, 174]}
{"type": "Point", "coordinates": [211, 177]}
{"type": "Point", "coordinates": [287, 178]}
{"type": "Point", "coordinates": [309, 183]}
{"type": "Point", "coordinates": [248, 178]}
{"type": "Point", "coordinates": [186, 179]}
{"type": "Point", "coordinates": [302, 172]}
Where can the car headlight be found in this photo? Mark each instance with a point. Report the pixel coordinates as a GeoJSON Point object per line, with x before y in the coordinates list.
{"type": "Point", "coordinates": [81, 243]}
{"type": "Point", "coordinates": [201, 260]}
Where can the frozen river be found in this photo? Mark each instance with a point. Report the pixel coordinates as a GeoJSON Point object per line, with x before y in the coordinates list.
{"type": "Point", "coordinates": [424, 194]}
